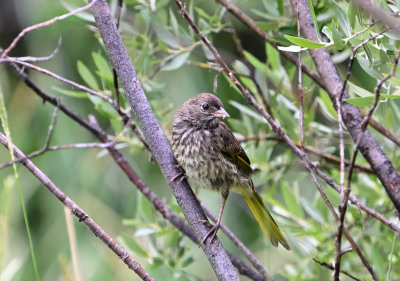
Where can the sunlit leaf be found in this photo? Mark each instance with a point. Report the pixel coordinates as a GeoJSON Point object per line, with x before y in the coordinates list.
{"type": "Point", "coordinates": [87, 76]}
{"type": "Point", "coordinates": [176, 62]}
{"type": "Point", "coordinates": [133, 246]}
{"type": "Point", "coordinates": [342, 18]}
{"type": "Point", "coordinates": [305, 43]}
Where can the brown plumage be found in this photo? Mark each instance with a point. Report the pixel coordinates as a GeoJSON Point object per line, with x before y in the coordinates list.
{"type": "Point", "coordinates": [212, 157]}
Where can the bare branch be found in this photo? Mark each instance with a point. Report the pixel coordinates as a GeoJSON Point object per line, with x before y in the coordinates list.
{"type": "Point", "coordinates": [315, 151]}
{"type": "Point", "coordinates": [42, 24]}
{"type": "Point", "coordinates": [252, 25]}
{"type": "Point", "coordinates": [156, 140]}
{"type": "Point", "coordinates": [78, 212]}
{"type": "Point", "coordinates": [330, 267]}
{"type": "Point", "coordinates": [369, 147]}
{"type": "Point", "coordinates": [249, 255]}
{"type": "Point", "coordinates": [275, 126]}
{"type": "Point", "coordinates": [37, 59]}
{"type": "Point", "coordinates": [377, 12]}
{"type": "Point", "coordinates": [127, 169]}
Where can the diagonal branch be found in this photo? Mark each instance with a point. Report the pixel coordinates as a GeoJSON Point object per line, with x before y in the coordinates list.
{"type": "Point", "coordinates": [78, 212]}
{"type": "Point", "coordinates": [274, 125]}
{"type": "Point", "coordinates": [156, 140]}
{"type": "Point", "coordinates": [369, 147]}
{"type": "Point", "coordinates": [252, 25]}
{"type": "Point", "coordinates": [158, 204]}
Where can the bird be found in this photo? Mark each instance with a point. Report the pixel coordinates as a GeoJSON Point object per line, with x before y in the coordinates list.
{"type": "Point", "coordinates": [212, 158]}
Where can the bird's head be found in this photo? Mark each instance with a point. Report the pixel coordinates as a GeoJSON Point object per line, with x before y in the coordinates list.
{"type": "Point", "coordinates": [204, 110]}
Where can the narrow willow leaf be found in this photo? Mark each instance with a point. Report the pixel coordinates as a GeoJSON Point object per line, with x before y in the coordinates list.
{"type": "Point", "coordinates": [358, 90]}
{"type": "Point", "coordinates": [311, 8]}
{"type": "Point", "coordinates": [272, 56]}
{"type": "Point", "coordinates": [305, 43]}
{"type": "Point", "coordinates": [342, 18]}
{"type": "Point", "coordinates": [176, 62]}
{"type": "Point", "coordinates": [87, 76]}
{"type": "Point", "coordinates": [368, 100]}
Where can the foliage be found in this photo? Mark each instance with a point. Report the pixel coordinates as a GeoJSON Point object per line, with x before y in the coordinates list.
{"type": "Point", "coordinates": [173, 65]}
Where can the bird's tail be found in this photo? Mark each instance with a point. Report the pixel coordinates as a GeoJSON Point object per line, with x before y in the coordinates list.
{"type": "Point", "coordinates": [265, 220]}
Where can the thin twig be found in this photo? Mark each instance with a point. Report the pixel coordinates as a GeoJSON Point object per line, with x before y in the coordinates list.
{"type": "Point", "coordinates": [326, 156]}
{"type": "Point", "coordinates": [330, 267]}
{"type": "Point", "coordinates": [79, 213]}
{"type": "Point", "coordinates": [252, 25]}
{"type": "Point", "coordinates": [380, 14]}
{"type": "Point", "coordinates": [161, 150]}
{"type": "Point", "coordinates": [60, 78]}
{"type": "Point", "coordinates": [275, 126]}
{"type": "Point", "coordinates": [42, 24]}
{"type": "Point", "coordinates": [353, 159]}
{"type": "Point", "coordinates": [60, 147]}
{"type": "Point", "coordinates": [300, 84]}
{"type": "Point", "coordinates": [38, 59]}
{"type": "Point", "coordinates": [125, 167]}
{"type": "Point", "coordinates": [370, 112]}
{"type": "Point", "coordinates": [343, 192]}
{"type": "Point", "coordinates": [125, 117]}
{"type": "Point", "coordinates": [352, 57]}
{"type": "Point", "coordinates": [239, 14]}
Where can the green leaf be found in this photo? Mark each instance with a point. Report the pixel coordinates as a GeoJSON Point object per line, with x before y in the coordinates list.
{"type": "Point", "coordinates": [167, 37]}
{"type": "Point", "coordinates": [247, 111]}
{"type": "Point", "coordinates": [133, 246]}
{"type": "Point", "coordinates": [255, 62]}
{"type": "Point", "coordinates": [271, 7]}
{"type": "Point", "coordinates": [75, 94]}
{"type": "Point", "coordinates": [103, 67]}
{"type": "Point", "coordinates": [365, 64]}
{"type": "Point", "coordinates": [241, 68]}
{"type": "Point", "coordinates": [237, 126]}
{"type": "Point", "coordinates": [87, 76]}
{"type": "Point", "coordinates": [267, 16]}
{"type": "Point", "coordinates": [145, 209]}
{"type": "Point", "coordinates": [267, 25]}
{"type": "Point", "coordinates": [145, 231]}
{"type": "Point", "coordinates": [291, 200]}
{"type": "Point", "coordinates": [342, 18]}
{"type": "Point", "coordinates": [176, 62]}
{"type": "Point", "coordinates": [352, 13]}
{"type": "Point", "coordinates": [368, 100]}
{"type": "Point", "coordinates": [280, 7]}
{"type": "Point", "coordinates": [327, 31]}
{"type": "Point", "coordinates": [311, 8]}
{"type": "Point", "coordinates": [188, 261]}
{"type": "Point", "coordinates": [305, 43]}
{"type": "Point", "coordinates": [358, 90]}
{"type": "Point", "coordinates": [273, 57]}
{"type": "Point", "coordinates": [326, 105]}
{"type": "Point", "coordinates": [337, 39]}
{"type": "Point", "coordinates": [312, 211]}
{"type": "Point", "coordinates": [174, 22]}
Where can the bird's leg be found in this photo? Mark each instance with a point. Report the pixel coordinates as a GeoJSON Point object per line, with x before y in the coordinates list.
{"type": "Point", "coordinates": [214, 229]}
{"type": "Point", "coordinates": [181, 174]}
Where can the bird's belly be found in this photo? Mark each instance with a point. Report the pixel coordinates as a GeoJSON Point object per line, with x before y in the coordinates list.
{"type": "Point", "coordinates": [205, 166]}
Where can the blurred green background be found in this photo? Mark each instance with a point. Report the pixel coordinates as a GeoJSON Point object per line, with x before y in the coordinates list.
{"type": "Point", "coordinates": [152, 32]}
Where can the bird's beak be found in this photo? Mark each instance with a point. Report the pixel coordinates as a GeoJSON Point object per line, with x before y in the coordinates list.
{"type": "Point", "coordinates": [221, 113]}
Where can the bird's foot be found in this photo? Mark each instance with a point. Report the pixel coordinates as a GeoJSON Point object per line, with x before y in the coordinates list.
{"type": "Point", "coordinates": [181, 174]}
{"type": "Point", "coordinates": [212, 233]}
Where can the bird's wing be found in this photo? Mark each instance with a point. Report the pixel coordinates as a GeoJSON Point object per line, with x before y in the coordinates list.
{"type": "Point", "coordinates": [232, 150]}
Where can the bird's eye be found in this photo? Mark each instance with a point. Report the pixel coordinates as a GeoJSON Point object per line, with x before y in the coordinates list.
{"type": "Point", "coordinates": [205, 106]}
